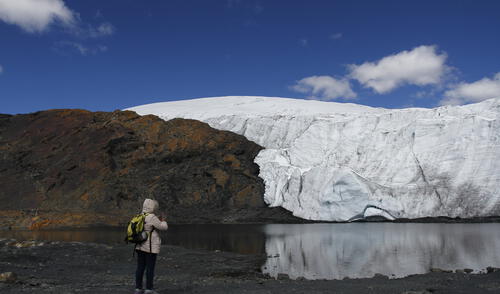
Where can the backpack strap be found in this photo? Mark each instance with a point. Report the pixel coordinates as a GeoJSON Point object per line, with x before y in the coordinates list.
{"type": "Point", "coordinates": [150, 234]}
{"type": "Point", "coordinates": [151, 237]}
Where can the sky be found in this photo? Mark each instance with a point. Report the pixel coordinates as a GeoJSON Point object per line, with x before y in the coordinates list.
{"type": "Point", "coordinates": [114, 54]}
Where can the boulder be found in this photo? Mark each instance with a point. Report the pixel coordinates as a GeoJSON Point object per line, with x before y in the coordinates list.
{"type": "Point", "coordinates": [8, 277]}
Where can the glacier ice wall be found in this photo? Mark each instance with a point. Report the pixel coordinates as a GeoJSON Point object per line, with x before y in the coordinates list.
{"type": "Point", "coordinates": [336, 161]}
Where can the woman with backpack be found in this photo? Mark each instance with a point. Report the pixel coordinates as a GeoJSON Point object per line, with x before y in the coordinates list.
{"type": "Point", "coordinates": [148, 250]}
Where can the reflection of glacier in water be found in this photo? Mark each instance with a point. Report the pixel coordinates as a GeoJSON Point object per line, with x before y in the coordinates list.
{"type": "Point", "coordinates": [360, 250]}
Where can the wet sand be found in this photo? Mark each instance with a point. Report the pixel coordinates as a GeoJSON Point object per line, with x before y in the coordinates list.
{"type": "Point", "coordinates": [71, 267]}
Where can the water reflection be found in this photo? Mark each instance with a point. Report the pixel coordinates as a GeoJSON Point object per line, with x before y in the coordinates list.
{"type": "Point", "coordinates": [246, 239]}
{"type": "Point", "coordinates": [108, 236]}
{"type": "Point", "coordinates": [326, 251]}
{"type": "Point", "coordinates": [358, 250]}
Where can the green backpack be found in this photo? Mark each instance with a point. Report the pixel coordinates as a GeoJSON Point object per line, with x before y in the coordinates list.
{"type": "Point", "coordinates": [135, 229]}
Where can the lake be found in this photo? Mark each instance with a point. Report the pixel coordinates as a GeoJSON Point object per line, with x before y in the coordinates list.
{"type": "Point", "coordinates": [328, 251]}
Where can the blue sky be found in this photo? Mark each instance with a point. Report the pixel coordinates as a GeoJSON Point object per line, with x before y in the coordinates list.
{"type": "Point", "coordinates": [113, 54]}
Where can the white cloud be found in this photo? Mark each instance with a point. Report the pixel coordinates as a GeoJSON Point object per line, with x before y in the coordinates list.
{"type": "Point", "coordinates": [431, 93]}
{"type": "Point", "coordinates": [36, 15]}
{"type": "Point", "coordinates": [1, 69]}
{"type": "Point", "coordinates": [420, 66]}
{"type": "Point", "coordinates": [483, 89]}
{"type": "Point", "coordinates": [324, 88]}
{"type": "Point", "coordinates": [336, 36]}
{"type": "Point", "coordinates": [63, 47]}
{"type": "Point", "coordinates": [105, 29]}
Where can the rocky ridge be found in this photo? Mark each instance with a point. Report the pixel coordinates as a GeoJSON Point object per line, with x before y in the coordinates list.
{"type": "Point", "coordinates": [76, 168]}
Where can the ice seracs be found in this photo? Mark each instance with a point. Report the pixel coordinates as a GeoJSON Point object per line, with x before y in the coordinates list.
{"type": "Point", "coordinates": [337, 161]}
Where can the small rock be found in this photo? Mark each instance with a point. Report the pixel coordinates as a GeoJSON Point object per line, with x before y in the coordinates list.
{"type": "Point", "coordinates": [468, 270]}
{"type": "Point", "coordinates": [8, 277]}
{"type": "Point", "coordinates": [439, 270]}
{"type": "Point", "coordinates": [282, 277]}
{"type": "Point", "coordinates": [25, 244]}
{"type": "Point", "coordinates": [491, 269]}
{"type": "Point", "coordinates": [377, 275]}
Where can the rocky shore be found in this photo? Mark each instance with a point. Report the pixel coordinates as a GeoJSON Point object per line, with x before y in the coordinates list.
{"type": "Point", "coordinates": [71, 267]}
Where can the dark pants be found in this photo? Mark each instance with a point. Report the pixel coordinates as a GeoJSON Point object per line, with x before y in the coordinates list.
{"type": "Point", "coordinates": [145, 261]}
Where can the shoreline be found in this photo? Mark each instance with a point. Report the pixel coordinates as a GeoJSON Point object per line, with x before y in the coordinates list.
{"type": "Point", "coordinates": [75, 267]}
{"type": "Point", "coordinates": [434, 220]}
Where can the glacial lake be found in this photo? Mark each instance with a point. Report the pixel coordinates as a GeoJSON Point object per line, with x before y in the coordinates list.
{"type": "Point", "coordinates": [327, 251]}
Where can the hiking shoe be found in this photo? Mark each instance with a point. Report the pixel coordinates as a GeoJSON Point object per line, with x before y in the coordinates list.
{"type": "Point", "coordinates": [150, 292]}
{"type": "Point", "coordinates": [139, 291]}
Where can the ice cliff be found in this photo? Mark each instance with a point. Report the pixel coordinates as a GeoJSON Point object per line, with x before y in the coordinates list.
{"type": "Point", "coordinates": [339, 161]}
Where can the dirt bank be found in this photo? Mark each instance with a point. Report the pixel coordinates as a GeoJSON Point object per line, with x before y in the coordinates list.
{"type": "Point", "coordinates": [60, 267]}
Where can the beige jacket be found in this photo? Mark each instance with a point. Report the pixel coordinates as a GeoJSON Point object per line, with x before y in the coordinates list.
{"type": "Point", "coordinates": [150, 206]}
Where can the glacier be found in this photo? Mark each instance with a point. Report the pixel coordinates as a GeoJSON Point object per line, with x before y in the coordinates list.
{"type": "Point", "coordinates": [341, 161]}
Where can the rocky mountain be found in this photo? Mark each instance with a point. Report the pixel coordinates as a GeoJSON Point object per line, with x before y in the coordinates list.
{"type": "Point", "coordinates": [339, 161]}
{"type": "Point", "coordinates": [80, 168]}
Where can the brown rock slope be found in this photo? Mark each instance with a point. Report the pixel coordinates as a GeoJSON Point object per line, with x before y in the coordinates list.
{"type": "Point", "coordinates": [78, 168]}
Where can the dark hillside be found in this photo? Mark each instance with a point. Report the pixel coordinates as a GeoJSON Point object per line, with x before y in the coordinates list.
{"type": "Point", "coordinates": [80, 168]}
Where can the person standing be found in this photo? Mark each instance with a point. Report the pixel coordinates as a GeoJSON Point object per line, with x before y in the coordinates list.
{"type": "Point", "coordinates": [148, 250]}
